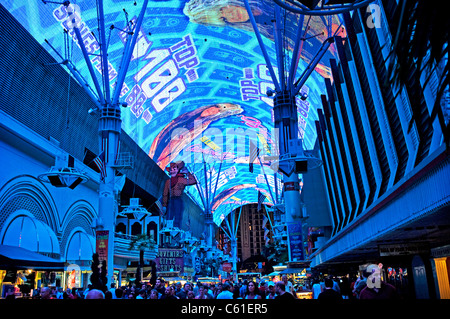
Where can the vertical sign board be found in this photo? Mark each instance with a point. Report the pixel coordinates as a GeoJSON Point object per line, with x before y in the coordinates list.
{"type": "Point", "coordinates": [101, 245]}
{"type": "Point", "coordinates": [295, 238]}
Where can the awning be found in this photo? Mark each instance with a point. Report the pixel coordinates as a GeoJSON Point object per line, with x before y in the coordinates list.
{"type": "Point", "coordinates": [30, 233]}
{"type": "Point", "coordinates": [21, 258]}
{"type": "Point", "coordinates": [273, 274]}
{"type": "Point", "coordinates": [81, 247]}
{"type": "Point", "coordinates": [292, 271]}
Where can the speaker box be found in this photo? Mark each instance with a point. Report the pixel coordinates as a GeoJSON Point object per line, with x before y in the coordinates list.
{"type": "Point", "coordinates": [56, 181]}
{"type": "Point", "coordinates": [301, 167]}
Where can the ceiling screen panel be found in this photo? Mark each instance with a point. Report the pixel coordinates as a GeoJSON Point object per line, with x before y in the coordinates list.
{"type": "Point", "coordinates": [196, 84]}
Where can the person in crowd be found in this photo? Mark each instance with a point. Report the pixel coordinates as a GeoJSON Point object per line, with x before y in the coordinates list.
{"type": "Point", "coordinates": [95, 294]}
{"type": "Point", "coordinates": [360, 284]}
{"type": "Point", "coordinates": [154, 294]}
{"type": "Point", "coordinates": [169, 293]}
{"type": "Point", "coordinates": [190, 294]}
{"type": "Point", "coordinates": [182, 294]}
{"type": "Point", "coordinates": [346, 291]}
{"type": "Point", "coordinates": [243, 288]}
{"type": "Point", "coordinates": [113, 290]}
{"type": "Point", "coordinates": [45, 293]}
{"type": "Point", "coordinates": [159, 286]}
{"type": "Point", "coordinates": [142, 294]}
{"type": "Point", "coordinates": [252, 291]}
{"type": "Point", "coordinates": [177, 288]}
{"type": "Point", "coordinates": [236, 292]}
{"type": "Point", "coordinates": [289, 287]}
{"type": "Point", "coordinates": [108, 295]}
{"type": "Point", "coordinates": [280, 290]}
{"type": "Point", "coordinates": [209, 290]}
{"type": "Point", "coordinates": [201, 293]}
{"type": "Point", "coordinates": [118, 293]}
{"type": "Point", "coordinates": [68, 294]}
{"type": "Point", "coordinates": [217, 290]}
{"type": "Point", "coordinates": [329, 294]}
{"type": "Point", "coordinates": [263, 289]}
{"type": "Point", "coordinates": [60, 293]}
{"type": "Point", "coordinates": [375, 287]}
{"type": "Point", "coordinates": [271, 290]}
{"type": "Point", "coordinates": [386, 291]}
{"type": "Point", "coordinates": [89, 287]}
{"type": "Point", "coordinates": [336, 286]}
{"type": "Point", "coordinates": [227, 291]}
{"type": "Point", "coordinates": [316, 288]}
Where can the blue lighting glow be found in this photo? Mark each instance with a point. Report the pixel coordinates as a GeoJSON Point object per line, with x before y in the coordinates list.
{"type": "Point", "coordinates": [197, 82]}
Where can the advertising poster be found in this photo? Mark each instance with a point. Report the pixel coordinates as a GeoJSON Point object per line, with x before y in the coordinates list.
{"type": "Point", "coordinates": [295, 237]}
{"type": "Point", "coordinates": [169, 260]}
{"type": "Point", "coordinates": [101, 246]}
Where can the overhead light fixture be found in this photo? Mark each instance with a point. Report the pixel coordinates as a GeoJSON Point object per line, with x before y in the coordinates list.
{"type": "Point", "coordinates": [63, 177]}
{"type": "Point", "coordinates": [297, 160]}
{"type": "Point", "coordinates": [137, 210]}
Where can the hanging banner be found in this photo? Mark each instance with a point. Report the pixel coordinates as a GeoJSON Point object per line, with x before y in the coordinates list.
{"type": "Point", "coordinates": [101, 246]}
{"type": "Point", "coordinates": [295, 238]}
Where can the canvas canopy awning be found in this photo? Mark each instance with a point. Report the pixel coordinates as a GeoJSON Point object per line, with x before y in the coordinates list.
{"type": "Point", "coordinates": [21, 258]}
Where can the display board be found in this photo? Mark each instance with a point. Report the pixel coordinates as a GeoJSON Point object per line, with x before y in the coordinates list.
{"type": "Point", "coordinates": [197, 82]}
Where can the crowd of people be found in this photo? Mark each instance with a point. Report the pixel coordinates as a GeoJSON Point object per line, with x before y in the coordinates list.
{"type": "Point", "coordinates": [325, 289]}
{"type": "Point", "coordinates": [162, 290]}
{"type": "Point", "coordinates": [352, 288]}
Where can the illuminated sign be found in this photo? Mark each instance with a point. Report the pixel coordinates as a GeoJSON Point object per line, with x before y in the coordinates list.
{"type": "Point", "coordinates": [170, 260]}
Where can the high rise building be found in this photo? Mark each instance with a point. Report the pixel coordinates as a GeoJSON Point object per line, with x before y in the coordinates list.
{"type": "Point", "coordinates": [251, 232]}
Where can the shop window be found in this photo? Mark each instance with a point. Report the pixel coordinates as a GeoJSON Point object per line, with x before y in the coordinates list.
{"type": "Point", "coordinates": [152, 229]}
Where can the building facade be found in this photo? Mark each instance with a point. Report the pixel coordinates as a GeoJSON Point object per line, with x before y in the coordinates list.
{"type": "Point", "coordinates": [386, 176]}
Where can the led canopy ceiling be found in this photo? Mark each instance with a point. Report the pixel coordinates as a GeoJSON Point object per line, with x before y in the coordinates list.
{"type": "Point", "coordinates": [197, 84]}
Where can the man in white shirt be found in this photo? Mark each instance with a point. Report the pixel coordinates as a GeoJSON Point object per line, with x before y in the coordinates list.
{"type": "Point", "coordinates": [287, 284]}
{"type": "Point", "coordinates": [226, 291]}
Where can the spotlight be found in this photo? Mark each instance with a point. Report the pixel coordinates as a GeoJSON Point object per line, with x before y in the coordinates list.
{"type": "Point", "coordinates": [93, 111]}
{"type": "Point", "coordinates": [303, 96]}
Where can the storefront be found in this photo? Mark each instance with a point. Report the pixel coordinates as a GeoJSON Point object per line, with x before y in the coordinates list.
{"type": "Point", "coordinates": [80, 248]}
{"type": "Point", "coordinates": [22, 271]}
{"type": "Point", "coordinates": [29, 255]}
{"type": "Point", "coordinates": [441, 271]}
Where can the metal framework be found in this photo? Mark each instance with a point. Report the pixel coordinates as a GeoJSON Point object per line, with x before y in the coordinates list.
{"type": "Point", "coordinates": [321, 9]}
{"type": "Point", "coordinates": [108, 104]}
{"type": "Point", "coordinates": [287, 87]}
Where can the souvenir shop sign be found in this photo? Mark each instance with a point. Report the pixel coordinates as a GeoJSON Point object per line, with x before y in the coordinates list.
{"type": "Point", "coordinates": [101, 246]}
{"type": "Point", "coordinates": [170, 260]}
